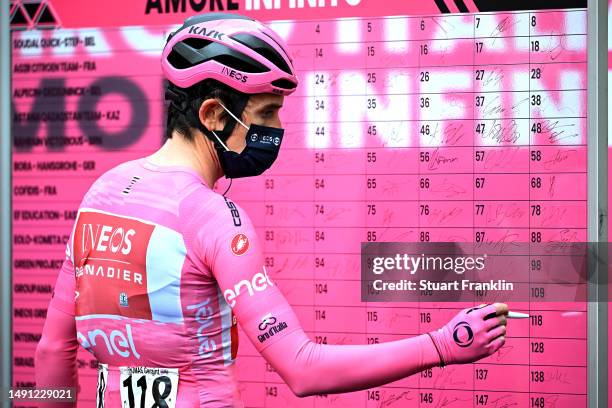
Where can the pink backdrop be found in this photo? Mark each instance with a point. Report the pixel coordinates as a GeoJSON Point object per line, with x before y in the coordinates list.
{"type": "Point", "coordinates": [423, 128]}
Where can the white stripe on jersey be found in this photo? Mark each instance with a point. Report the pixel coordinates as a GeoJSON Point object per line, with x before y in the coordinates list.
{"type": "Point", "coordinates": [165, 257]}
{"type": "Point", "coordinates": [226, 326]}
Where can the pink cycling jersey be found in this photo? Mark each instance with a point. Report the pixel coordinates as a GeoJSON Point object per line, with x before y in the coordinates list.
{"type": "Point", "coordinates": [158, 272]}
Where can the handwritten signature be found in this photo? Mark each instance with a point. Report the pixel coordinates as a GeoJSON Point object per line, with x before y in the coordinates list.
{"type": "Point", "coordinates": [438, 159]}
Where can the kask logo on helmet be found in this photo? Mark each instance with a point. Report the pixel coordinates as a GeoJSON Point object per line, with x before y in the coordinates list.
{"type": "Point", "coordinates": [197, 30]}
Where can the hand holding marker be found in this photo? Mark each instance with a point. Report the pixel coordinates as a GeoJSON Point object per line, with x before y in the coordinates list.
{"type": "Point", "coordinates": [474, 333]}
{"type": "Point", "coordinates": [509, 315]}
{"type": "Point", "coordinates": [517, 315]}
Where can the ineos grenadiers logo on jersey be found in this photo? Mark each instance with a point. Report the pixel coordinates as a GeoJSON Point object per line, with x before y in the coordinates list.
{"type": "Point", "coordinates": [106, 238]}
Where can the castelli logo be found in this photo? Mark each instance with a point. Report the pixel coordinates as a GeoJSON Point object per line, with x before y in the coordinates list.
{"type": "Point", "coordinates": [463, 340]}
{"type": "Point", "coordinates": [240, 244]}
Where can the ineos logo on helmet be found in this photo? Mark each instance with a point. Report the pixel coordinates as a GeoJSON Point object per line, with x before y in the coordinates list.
{"type": "Point", "coordinates": [234, 74]}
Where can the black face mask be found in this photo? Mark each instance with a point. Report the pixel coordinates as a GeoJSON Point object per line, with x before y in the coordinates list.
{"type": "Point", "coordinates": [262, 146]}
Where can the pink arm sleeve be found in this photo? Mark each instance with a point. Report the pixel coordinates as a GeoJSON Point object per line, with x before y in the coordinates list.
{"type": "Point", "coordinates": [56, 352]}
{"type": "Point", "coordinates": [271, 325]}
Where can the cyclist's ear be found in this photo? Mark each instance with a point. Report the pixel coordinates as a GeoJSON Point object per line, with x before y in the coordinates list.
{"type": "Point", "coordinates": [212, 115]}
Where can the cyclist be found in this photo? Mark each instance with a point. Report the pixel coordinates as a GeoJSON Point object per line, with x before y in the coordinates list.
{"type": "Point", "coordinates": [160, 268]}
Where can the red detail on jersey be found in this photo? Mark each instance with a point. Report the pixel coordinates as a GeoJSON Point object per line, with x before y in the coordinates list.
{"type": "Point", "coordinates": [234, 337]}
{"type": "Point", "coordinates": [110, 258]}
{"type": "Point", "coordinates": [240, 244]}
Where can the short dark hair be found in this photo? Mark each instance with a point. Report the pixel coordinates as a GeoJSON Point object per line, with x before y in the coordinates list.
{"type": "Point", "coordinates": [185, 104]}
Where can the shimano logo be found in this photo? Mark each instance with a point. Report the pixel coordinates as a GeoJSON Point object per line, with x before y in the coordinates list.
{"type": "Point", "coordinates": [268, 323]}
{"type": "Point", "coordinates": [115, 342]}
{"type": "Point", "coordinates": [258, 283]}
{"type": "Point", "coordinates": [206, 33]}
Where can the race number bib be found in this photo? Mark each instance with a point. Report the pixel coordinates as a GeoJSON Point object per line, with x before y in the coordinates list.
{"type": "Point", "coordinates": [141, 387]}
{"type": "Point", "coordinates": [148, 387]}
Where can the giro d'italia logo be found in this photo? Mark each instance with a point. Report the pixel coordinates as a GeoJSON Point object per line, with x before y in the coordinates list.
{"type": "Point", "coordinates": [463, 334]}
{"type": "Point", "coordinates": [267, 320]}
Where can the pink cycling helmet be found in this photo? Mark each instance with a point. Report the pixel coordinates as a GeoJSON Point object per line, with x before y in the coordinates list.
{"type": "Point", "coordinates": [235, 50]}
